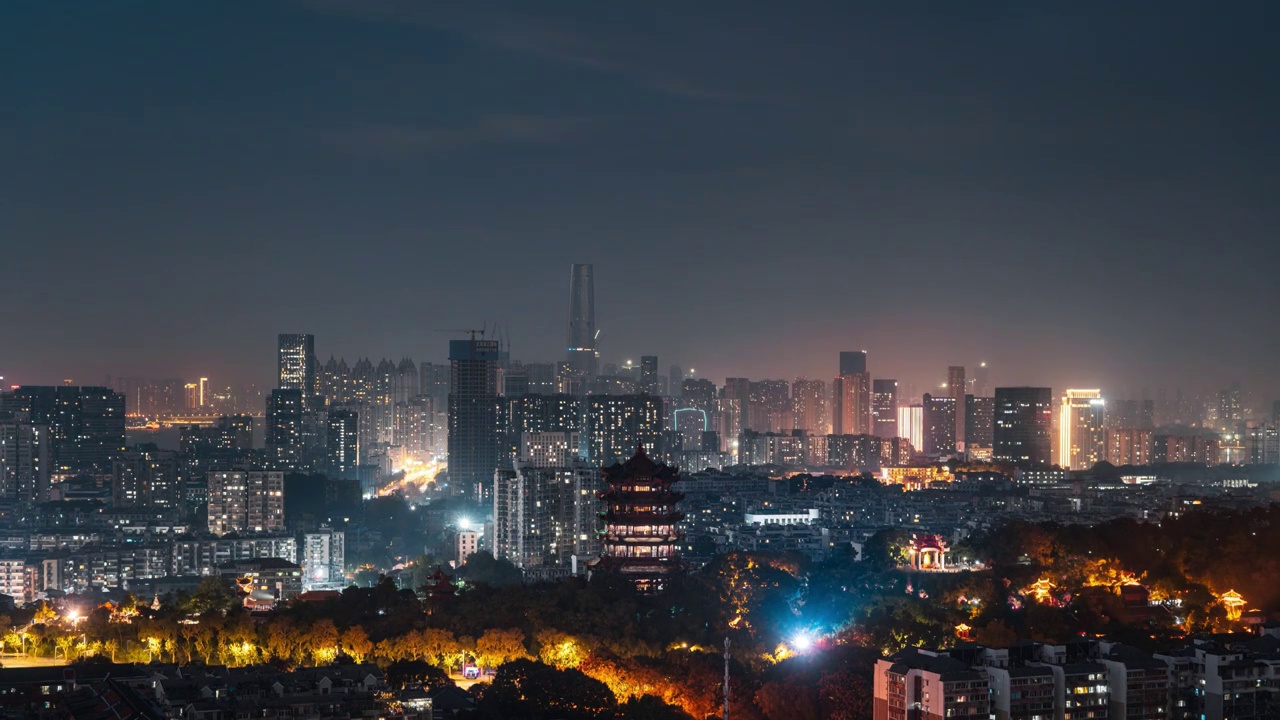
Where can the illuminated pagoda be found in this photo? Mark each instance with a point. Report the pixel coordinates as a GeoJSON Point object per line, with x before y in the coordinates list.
{"type": "Point", "coordinates": [639, 536]}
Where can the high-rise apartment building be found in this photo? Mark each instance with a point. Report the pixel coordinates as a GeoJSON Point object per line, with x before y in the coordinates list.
{"type": "Point", "coordinates": [939, 425]}
{"type": "Point", "coordinates": [1130, 446]}
{"type": "Point", "coordinates": [1023, 425]}
{"type": "Point", "coordinates": [342, 452]}
{"type": "Point", "coordinates": [246, 502]}
{"type": "Point", "coordinates": [648, 375]}
{"type": "Point", "coordinates": [545, 517]}
{"type": "Point", "coordinates": [324, 558]}
{"type": "Point", "coordinates": [957, 388]}
{"type": "Point", "coordinates": [851, 403]}
{"type": "Point", "coordinates": [285, 436]}
{"type": "Point", "coordinates": [769, 409]}
{"type": "Point", "coordinates": [474, 443]}
{"type": "Point", "coordinates": [1082, 439]}
{"type": "Point", "coordinates": [26, 459]}
{"type": "Point", "coordinates": [884, 408]}
{"type": "Point", "coordinates": [1264, 444]}
{"type": "Point", "coordinates": [296, 363]}
{"type": "Point", "coordinates": [618, 423]}
{"type": "Point", "coordinates": [549, 449]}
{"type": "Point", "coordinates": [809, 406]}
{"type": "Point", "coordinates": [583, 356]}
{"type": "Point", "coordinates": [148, 478]}
{"type": "Point", "coordinates": [86, 424]}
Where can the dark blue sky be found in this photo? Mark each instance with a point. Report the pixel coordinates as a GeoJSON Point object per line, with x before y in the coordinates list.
{"type": "Point", "coordinates": [1080, 193]}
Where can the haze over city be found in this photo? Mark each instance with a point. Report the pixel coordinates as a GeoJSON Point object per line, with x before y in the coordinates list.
{"type": "Point", "coordinates": [1075, 195]}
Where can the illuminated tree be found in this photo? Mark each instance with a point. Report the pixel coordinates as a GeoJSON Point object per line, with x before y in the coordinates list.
{"type": "Point", "coordinates": [355, 643]}
{"type": "Point", "coordinates": [497, 647]}
{"type": "Point", "coordinates": [322, 641]}
{"type": "Point", "coordinates": [560, 650]}
{"type": "Point", "coordinates": [529, 689]}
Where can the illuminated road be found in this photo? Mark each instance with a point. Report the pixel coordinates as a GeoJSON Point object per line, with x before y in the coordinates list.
{"type": "Point", "coordinates": [418, 478]}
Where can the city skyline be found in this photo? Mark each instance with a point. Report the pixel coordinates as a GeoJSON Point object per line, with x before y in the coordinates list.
{"type": "Point", "coordinates": [787, 188]}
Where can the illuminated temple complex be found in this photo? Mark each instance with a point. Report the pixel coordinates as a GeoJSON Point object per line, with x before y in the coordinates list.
{"type": "Point", "coordinates": [639, 536]}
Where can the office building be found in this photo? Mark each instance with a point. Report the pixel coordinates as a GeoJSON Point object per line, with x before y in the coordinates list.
{"type": "Point", "coordinates": [1023, 425]}
{"type": "Point", "coordinates": [851, 403]}
{"type": "Point", "coordinates": [809, 406]}
{"type": "Point", "coordinates": [242, 501]}
{"type": "Point", "coordinates": [86, 424]}
{"type": "Point", "coordinates": [618, 423]}
{"type": "Point", "coordinates": [911, 425]}
{"type": "Point", "coordinates": [979, 422]}
{"type": "Point", "coordinates": [939, 416]}
{"type": "Point", "coordinates": [853, 362]}
{"type": "Point", "coordinates": [1082, 439]}
{"type": "Point", "coordinates": [296, 363]}
{"type": "Point", "coordinates": [474, 443]}
{"type": "Point", "coordinates": [285, 432]}
{"type": "Point", "coordinates": [536, 413]}
{"type": "Point", "coordinates": [884, 408]}
{"type": "Point", "coordinates": [583, 356]}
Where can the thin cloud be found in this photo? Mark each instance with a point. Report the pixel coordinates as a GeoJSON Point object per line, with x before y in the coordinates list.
{"type": "Point", "coordinates": [599, 50]}
{"type": "Point", "coordinates": [492, 129]}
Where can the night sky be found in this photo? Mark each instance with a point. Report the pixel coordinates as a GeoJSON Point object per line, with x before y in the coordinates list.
{"type": "Point", "coordinates": [1080, 193]}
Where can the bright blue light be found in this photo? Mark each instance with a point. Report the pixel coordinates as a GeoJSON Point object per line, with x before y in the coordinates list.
{"type": "Point", "coordinates": [802, 641]}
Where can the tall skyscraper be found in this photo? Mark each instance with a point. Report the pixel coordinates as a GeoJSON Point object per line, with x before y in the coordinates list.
{"type": "Point", "coordinates": [285, 428]}
{"type": "Point", "coordinates": [809, 406]}
{"type": "Point", "coordinates": [853, 362]}
{"type": "Point", "coordinates": [296, 363]}
{"type": "Point", "coordinates": [474, 447]}
{"type": "Point", "coordinates": [957, 388]}
{"type": "Point", "coordinates": [851, 403]}
{"type": "Point", "coordinates": [1082, 439]}
{"type": "Point", "coordinates": [582, 354]}
{"type": "Point", "coordinates": [939, 425]}
{"type": "Point", "coordinates": [1023, 425]}
{"type": "Point", "coordinates": [649, 374]}
{"type": "Point", "coordinates": [884, 408]}
{"type": "Point", "coordinates": [979, 422]}
{"type": "Point", "coordinates": [738, 390]}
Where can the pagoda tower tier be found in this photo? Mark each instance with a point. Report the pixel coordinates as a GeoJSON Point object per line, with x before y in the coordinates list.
{"type": "Point", "coordinates": [639, 539]}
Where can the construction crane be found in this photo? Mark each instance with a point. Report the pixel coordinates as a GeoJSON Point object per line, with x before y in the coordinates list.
{"type": "Point", "coordinates": [472, 332]}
